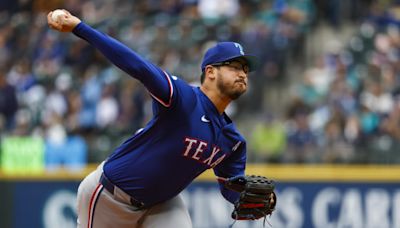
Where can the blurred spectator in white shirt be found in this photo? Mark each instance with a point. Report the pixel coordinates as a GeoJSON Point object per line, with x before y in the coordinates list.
{"type": "Point", "coordinates": [211, 9]}
{"type": "Point", "coordinates": [107, 108]}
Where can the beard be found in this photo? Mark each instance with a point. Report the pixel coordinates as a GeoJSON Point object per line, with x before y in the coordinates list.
{"type": "Point", "coordinates": [229, 90]}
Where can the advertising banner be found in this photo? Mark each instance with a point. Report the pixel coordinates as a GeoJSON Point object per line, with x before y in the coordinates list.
{"type": "Point", "coordinates": [304, 203]}
{"type": "Point", "coordinates": [52, 204]}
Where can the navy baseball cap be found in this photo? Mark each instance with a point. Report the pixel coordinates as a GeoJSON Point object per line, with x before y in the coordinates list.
{"type": "Point", "coordinates": [224, 51]}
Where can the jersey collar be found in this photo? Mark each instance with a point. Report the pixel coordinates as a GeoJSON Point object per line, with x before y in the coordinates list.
{"type": "Point", "coordinates": [211, 111]}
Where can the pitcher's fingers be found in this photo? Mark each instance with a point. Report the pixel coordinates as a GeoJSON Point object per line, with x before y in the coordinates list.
{"type": "Point", "coordinates": [67, 12]}
{"type": "Point", "coordinates": [49, 17]}
{"type": "Point", "coordinates": [52, 24]}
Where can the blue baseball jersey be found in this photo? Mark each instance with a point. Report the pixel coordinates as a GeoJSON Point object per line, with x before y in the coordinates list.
{"type": "Point", "coordinates": [186, 136]}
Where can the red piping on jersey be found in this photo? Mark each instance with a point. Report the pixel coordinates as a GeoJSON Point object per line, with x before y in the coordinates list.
{"type": "Point", "coordinates": [171, 91]}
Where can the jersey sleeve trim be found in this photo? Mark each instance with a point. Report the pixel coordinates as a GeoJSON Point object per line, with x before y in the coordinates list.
{"type": "Point", "coordinates": [171, 93]}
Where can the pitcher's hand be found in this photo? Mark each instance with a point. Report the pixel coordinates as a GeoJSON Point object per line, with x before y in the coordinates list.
{"type": "Point", "coordinates": [63, 23]}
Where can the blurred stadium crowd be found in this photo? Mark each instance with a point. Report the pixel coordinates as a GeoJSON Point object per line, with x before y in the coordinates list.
{"type": "Point", "coordinates": [345, 108]}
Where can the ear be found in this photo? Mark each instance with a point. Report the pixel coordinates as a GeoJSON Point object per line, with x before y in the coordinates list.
{"type": "Point", "coordinates": [210, 72]}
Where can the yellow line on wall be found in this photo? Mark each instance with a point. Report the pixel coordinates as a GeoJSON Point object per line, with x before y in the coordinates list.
{"type": "Point", "coordinates": [301, 173]}
{"type": "Point", "coordinates": [323, 173]}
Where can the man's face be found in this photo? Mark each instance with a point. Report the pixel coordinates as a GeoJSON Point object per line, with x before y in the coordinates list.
{"type": "Point", "coordinates": [232, 78]}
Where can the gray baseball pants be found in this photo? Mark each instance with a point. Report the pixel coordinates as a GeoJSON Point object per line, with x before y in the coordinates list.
{"type": "Point", "coordinates": [99, 208]}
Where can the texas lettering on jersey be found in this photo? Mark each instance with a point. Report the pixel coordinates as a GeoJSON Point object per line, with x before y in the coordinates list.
{"type": "Point", "coordinates": [196, 149]}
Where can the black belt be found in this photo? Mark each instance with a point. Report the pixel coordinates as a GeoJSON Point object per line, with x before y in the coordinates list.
{"type": "Point", "coordinates": [110, 187]}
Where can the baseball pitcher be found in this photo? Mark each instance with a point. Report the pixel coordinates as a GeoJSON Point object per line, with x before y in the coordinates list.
{"type": "Point", "coordinates": [139, 184]}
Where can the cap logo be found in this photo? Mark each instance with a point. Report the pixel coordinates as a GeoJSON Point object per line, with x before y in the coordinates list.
{"type": "Point", "coordinates": [240, 48]}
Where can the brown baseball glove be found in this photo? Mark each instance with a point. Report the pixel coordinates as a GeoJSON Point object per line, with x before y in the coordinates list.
{"type": "Point", "coordinates": [257, 196]}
